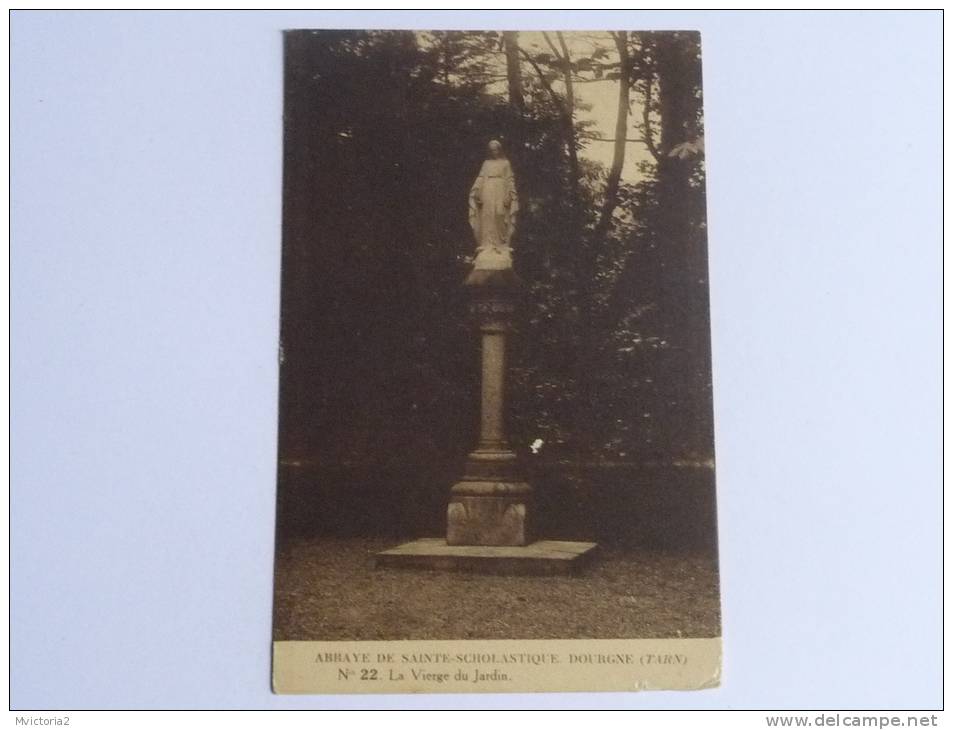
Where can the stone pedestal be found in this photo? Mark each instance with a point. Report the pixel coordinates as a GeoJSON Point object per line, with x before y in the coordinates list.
{"type": "Point", "coordinates": [543, 557]}
{"type": "Point", "coordinates": [491, 504]}
{"type": "Point", "coordinates": [490, 512]}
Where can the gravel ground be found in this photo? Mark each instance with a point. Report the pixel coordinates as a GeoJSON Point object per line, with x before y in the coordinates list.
{"type": "Point", "coordinates": [329, 589]}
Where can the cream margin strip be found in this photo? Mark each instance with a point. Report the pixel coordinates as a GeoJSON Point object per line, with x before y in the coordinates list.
{"type": "Point", "coordinates": [547, 665]}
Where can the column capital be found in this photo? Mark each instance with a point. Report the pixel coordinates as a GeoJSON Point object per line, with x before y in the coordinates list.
{"type": "Point", "coordinates": [493, 298]}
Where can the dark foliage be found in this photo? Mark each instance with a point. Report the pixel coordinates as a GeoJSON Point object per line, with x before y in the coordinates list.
{"type": "Point", "coordinates": [384, 135]}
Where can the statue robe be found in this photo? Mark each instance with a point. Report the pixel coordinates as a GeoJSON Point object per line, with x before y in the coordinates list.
{"type": "Point", "coordinates": [493, 206]}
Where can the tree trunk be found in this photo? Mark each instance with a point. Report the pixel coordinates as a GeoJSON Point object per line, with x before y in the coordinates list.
{"type": "Point", "coordinates": [514, 76]}
{"type": "Point", "coordinates": [570, 120]}
{"type": "Point", "coordinates": [621, 128]}
{"type": "Point", "coordinates": [682, 293]}
{"type": "Point", "coordinates": [589, 336]}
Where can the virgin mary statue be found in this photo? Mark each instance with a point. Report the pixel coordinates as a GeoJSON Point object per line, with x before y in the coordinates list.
{"type": "Point", "coordinates": [493, 209]}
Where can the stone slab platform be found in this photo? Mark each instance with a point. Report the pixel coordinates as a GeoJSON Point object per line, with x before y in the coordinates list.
{"type": "Point", "coordinates": [543, 557]}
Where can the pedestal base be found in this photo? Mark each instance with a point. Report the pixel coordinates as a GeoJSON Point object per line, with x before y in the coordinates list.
{"type": "Point", "coordinates": [491, 504]}
{"type": "Point", "coordinates": [544, 557]}
{"type": "Point", "coordinates": [488, 520]}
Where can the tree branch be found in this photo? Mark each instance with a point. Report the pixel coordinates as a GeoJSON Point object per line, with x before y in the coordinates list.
{"type": "Point", "coordinates": [646, 121]}
{"type": "Point", "coordinates": [640, 140]}
{"type": "Point", "coordinates": [621, 123]}
{"type": "Point", "coordinates": [542, 78]}
{"type": "Point", "coordinates": [566, 63]}
{"type": "Point", "coordinates": [567, 112]}
{"type": "Point", "coordinates": [549, 42]}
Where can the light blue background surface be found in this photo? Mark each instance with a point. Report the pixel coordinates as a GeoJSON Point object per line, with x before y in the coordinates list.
{"type": "Point", "coordinates": [146, 193]}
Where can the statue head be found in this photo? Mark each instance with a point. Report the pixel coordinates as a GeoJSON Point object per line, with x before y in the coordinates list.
{"type": "Point", "coordinates": [494, 149]}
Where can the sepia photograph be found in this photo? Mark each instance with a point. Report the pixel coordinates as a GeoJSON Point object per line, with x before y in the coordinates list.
{"type": "Point", "coordinates": [476, 360]}
{"type": "Point", "coordinates": [496, 392]}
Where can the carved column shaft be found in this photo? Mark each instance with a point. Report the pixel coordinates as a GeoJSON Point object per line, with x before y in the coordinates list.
{"type": "Point", "coordinates": [490, 503]}
{"type": "Point", "coordinates": [492, 433]}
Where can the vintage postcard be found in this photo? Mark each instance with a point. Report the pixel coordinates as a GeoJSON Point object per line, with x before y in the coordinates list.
{"type": "Point", "coordinates": [496, 465]}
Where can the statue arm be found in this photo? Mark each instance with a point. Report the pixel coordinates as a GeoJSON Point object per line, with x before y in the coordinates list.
{"type": "Point", "coordinates": [477, 186]}
{"type": "Point", "coordinates": [511, 203]}
{"type": "Point", "coordinates": [511, 197]}
{"type": "Point", "coordinates": [475, 199]}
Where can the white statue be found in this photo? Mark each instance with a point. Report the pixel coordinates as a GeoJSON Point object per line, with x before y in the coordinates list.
{"type": "Point", "coordinates": [493, 209]}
